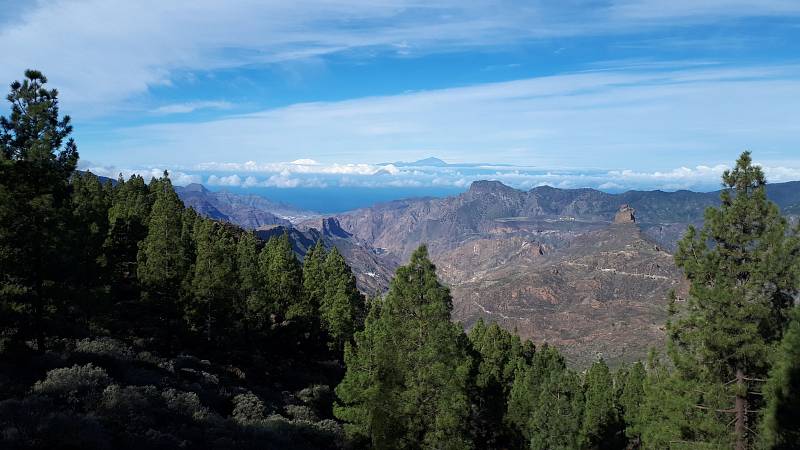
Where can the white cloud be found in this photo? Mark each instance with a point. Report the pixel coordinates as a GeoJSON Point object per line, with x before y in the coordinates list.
{"type": "Point", "coordinates": [188, 107]}
{"type": "Point", "coordinates": [594, 119]}
{"type": "Point", "coordinates": [102, 52]}
{"type": "Point", "coordinates": [304, 162]}
{"type": "Point", "coordinates": [303, 166]}
{"type": "Point", "coordinates": [281, 175]}
{"type": "Point", "coordinates": [177, 177]}
{"type": "Point", "coordinates": [230, 180]}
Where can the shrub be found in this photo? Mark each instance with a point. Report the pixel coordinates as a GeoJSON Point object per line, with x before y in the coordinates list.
{"type": "Point", "coordinates": [247, 409]}
{"type": "Point", "coordinates": [76, 384]}
{"type": "Point", "coordinates": [300, 412]}
{"type": "Point", "coordinates": [319, 398]}
{"type": "Point", "coordinates": [129, 406]}
{"type": "Point", "coordinates": [105, 346]}
{"type": "Point", "coordinates": [187, 403]}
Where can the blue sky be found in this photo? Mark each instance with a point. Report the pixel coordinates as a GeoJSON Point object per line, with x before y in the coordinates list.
{"type": "Point", "coordinates": [613, 94]}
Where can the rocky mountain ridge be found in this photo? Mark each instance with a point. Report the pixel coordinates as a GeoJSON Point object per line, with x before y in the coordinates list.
{"type": "Point", "coordinates": [247, 211]}
{"type": "Point", "coordinates": [582, 269]}
{"type": "Point", "coordinates": [400, 226]}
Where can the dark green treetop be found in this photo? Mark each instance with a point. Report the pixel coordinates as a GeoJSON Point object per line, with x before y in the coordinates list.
{"type": "Point", "coordinates": [407, 376]}
{"type": "Point", "coordinates": [342, 308]}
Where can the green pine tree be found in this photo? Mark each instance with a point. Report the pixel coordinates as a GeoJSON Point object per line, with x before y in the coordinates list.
{"type": "Point", "coordinates": [556, 420]}
{"type": "Point", "coordinates": [128, 217]}
{"type": "Point", "coordinates": [37, 160]}
{"type": "Point", "coordinates": [523, 397]}
{"type": "Point", "coordinates": [781, 426]}
{"type": "Point", "coordinates": [314, 277]}
{"type": "Point", "coordinates": [407, 376]}
{"type": "Point", "coordinates": [601, 423]}
{"type": "Point", "coordinates": [88, 230]}
{"type": "Point", "coordinates": [342, 308]}
{"type": "Point", "coordinates": [281, 276]}
{"type": "Point", "coordinates": [680, 413]}
{"type": "Point", "coordinates": [162, 258]}
{"type": "Point", "coordinates": [740, 265]}
{"type": "Point", "coordinates": [163, 261]}
{"type": "Point", "coordinates": [498, 354]}
{"type": "Point", "coordinates": [631, 400]}
{"type": "Point", "coordinates": [249, 280]}
{"type": "Point", "coordinates": [214, 282]}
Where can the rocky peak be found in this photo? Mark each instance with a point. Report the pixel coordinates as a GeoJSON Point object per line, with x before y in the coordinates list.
{"type": "Point", "coordinates": [625, 215]}
{"type": "Point", "coordinates": [195, 187]}
{"type": "Point", "coordinates": [487, 187]}
{"type": "Point", "coordinates": [329, 226]}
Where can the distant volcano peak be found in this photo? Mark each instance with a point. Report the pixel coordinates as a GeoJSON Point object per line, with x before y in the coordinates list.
{"type": "Point", "coordinates": [427, 162]}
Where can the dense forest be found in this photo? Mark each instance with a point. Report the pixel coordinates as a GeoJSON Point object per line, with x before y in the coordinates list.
{"type": "Point", "coordinates": [128, 321]}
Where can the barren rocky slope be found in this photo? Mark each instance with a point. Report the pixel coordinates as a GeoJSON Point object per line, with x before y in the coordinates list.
{"type": "Point", "coordinates": [605, 294]}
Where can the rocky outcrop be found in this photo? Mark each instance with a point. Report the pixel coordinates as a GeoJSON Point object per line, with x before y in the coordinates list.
{"type": "Point", "coordinates": [328, 226]}
{"type": "Point", "coordinates": [625, 215]}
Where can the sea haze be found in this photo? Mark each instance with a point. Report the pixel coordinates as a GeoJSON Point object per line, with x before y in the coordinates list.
{"type": "Point", "coordinates": [335, 199]}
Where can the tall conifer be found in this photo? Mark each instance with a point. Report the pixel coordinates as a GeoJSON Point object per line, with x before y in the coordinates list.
{"type": "Point", "coordinates": [37, 159]}
{"type": "Point", "coordinates": [556, 421]}
{"type": "Point", "coordinates": [601, 423]}
{"type": "Point", "coordinates": [281, 275]}
{"type": "Point", "coordinates": [740, 265]}
{"type": "Point", "coordinates": [499, 355]}
{"type": "Point", "coordinates": [128, 218]}
{"type": "Point", "coordinates": [210, 308]}
{"type": "Point", "coordinates": [342, 307]}
{"type": "Point", "coordinates": [162, 261]}
{"type": "Point", "coordinates": [314, 276]}
{"type": "Point", "coordinates": [406, 380]}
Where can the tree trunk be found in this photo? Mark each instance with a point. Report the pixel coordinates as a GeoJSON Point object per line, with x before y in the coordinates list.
{"type": "Point", "coordinates": [38, 287]}
{"type": "Point", "coordinates": [740, 408]}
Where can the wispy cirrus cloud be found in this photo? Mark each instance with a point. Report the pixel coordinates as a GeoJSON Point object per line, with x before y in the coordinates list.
{"type": "Point", "coordinates": [188, 107]}
{"type": "Point", "coordinates": [103, 52]}
{"type": "Point", "coordinates": [695, 115]}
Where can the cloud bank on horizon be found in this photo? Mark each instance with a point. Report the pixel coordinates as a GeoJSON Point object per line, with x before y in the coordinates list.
{"type": "Point", "coordinates": [433, 172]}
{"type": "Point", "coordinates": [615, 94]}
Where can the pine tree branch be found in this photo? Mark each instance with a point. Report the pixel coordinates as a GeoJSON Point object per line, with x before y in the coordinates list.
{"type": "Point", "coordinates": [715, 409]}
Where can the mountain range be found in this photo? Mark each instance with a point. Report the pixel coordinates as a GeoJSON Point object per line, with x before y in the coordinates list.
{"type": "Point", "coordinates": [583, 269]}
{"type": "Point", "coordinates": [247, 211]}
